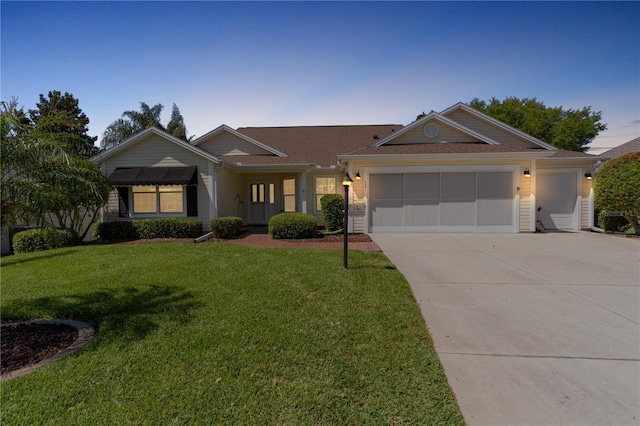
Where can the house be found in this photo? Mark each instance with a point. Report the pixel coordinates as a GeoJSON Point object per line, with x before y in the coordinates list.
{"type": "Point", "coordinates": [454, 171]}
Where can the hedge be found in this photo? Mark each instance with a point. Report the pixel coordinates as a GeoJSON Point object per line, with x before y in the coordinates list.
{"type": "Point", "coordinates": [168, 228]}
{"type": "Point", "coordinates": [40, 239]}
{"type": "Point", "coordinates": [332, 211]}
{"type": "Point", "coordinates": [115, 231]}
{"type": "Point", "coordinates": [148, 228]}
{"type": "Point", "coordinates": [225, 227]}
{"type": "Point", "coordinates": [293, 226]}
{"type": "Point", "coordinates": [609, 221]}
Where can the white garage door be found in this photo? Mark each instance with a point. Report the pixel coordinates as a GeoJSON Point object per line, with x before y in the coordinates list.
{"type": "Point", "coordinates": [442, 202]}
{"type": "Point", "coordinates": [556, 197]}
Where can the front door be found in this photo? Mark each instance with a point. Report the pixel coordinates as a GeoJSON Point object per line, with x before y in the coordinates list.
{"type": "Point", "coordinates": [261, 202]}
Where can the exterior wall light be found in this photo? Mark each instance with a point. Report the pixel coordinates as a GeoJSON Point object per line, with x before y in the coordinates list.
{"type": "Point", "coordinates": [358, 175]}
{"type": "Point", "coordinates": [527, 173]}
{"type": "Point", "coordinates": [588, 175]}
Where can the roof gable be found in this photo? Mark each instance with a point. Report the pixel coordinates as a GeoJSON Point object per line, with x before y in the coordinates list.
{"type": "Point", "coordinates": [226, 141]}
{"type": "Point", "coordinates": [490, 127]}
{"type": "Point", "coordinates": [145, 135]}
{"type": "Point", "coordinates": [434, 128]}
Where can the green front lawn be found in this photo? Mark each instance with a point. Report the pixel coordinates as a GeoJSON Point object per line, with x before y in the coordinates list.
{"type": "Point", "coordinates": [217, 333]}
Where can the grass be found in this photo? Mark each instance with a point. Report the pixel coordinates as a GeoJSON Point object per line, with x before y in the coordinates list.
{"type": "Point", "coordinates": [216, 333]}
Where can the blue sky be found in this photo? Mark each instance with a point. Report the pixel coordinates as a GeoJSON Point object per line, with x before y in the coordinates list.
{"type": "Point", "coordinates": [323, 63]}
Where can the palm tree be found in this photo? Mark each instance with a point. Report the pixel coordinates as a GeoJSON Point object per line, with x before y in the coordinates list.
{"type": "Point", "coordinates": [24, 148]}
{"type": "Point", "coordinates": [41, 178]}
{"type": "Point", "coordinates": [131, 123]}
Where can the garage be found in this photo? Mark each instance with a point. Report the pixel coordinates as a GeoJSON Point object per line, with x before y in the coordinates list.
{"type": "Point", "coordinates": [557, 200]}
{"type": "Point", "coordinates": [473, 201]}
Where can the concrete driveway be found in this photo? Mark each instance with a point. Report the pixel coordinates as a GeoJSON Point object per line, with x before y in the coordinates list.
{"type": "Point", "coordinates": [532, 329]}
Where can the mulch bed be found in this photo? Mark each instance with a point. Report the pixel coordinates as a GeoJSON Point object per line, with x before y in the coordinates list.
{"type": "Point", "coordinates": [24, 345]}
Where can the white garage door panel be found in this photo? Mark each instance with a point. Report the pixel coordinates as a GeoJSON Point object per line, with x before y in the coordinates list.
{"type": "Point", "coordinates": [556, 197]}
{"type": "Point", "coordinates": [442, 202]}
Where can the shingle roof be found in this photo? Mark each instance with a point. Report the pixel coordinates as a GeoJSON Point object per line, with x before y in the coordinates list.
{"type": "Point", "coordinates": [316, 144]}
{"type": "Point", "coordinates": [631, 146]}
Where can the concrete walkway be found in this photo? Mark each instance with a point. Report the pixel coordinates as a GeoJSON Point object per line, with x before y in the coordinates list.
{"type": "Point", "coordinates": [532, 329]}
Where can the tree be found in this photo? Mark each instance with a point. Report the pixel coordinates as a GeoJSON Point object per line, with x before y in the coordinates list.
{"type": "Point", "coordinates": [617, 188]}
{"type": "Point", "coordinates": [75, 121]}
{"type": "Point", "coordinates": [133, 122]}
{"type": "Point", "coordinates": [41, 177]}
{"type": "Point", "coordinates": [176, 126]}
{"type": "Point", "coordinates": [572, 129]}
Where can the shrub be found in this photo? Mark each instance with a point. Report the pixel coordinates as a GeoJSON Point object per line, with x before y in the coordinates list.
{"type": "Point", "coordinates": [293, 226]}
{"type": "Point", "coordinates": [332, 211]}
{"type": "Point", "coordinates": [40, 239]}
{"type": "Point", "coordinates": [612, 222]}
{"type": "Point", "coordinates": [225, 227]}
{"type": "Point", "coordinates": [174, 227]}
{"type": "Point", "coordinates": [617, 188]}
{"type": "Point", "coordinates": [115, 231]}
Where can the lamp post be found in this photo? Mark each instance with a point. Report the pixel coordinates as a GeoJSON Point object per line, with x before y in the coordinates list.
{"type": "Point", "coordinates": [346, 183]}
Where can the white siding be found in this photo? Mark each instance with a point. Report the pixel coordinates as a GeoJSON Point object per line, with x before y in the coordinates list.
{"type": "Point", "coordinates": [489, 130]}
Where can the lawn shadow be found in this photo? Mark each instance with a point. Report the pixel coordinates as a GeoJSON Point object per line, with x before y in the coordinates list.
{"type": "Point", "coordinates": [18, 259]}
{"type": "Point", "coordinates": [128, 313]}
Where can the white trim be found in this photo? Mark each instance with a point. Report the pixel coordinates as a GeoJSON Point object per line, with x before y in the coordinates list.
{"type": "Point", "coordinates": [445, 156]}
{"type": "Point", "coordinates": [444, 120]}
{"type": "Point", "coordinates": [213, 191]}
{"type": "Point", "coordinates": [316, 207]}
{"type": "Point", "coordinates": [498, 123]}
{"type": "Point", "coordinates": [225, 128]}
{"type": "Point", "coordinates": [532, 199]}
{"type": "Point", "coordinates": [303, 191]}
{"type": "Point", "coordinates": [513, 168]}
{"type": "Point", "coordinates": [110, 152]}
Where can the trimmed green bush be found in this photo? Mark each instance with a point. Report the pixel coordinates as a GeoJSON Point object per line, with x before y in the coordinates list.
{"type": "Point", "coordinates": [115, 231]}
{"type": "Point", "coordinates": [174, 227]}
{"type": "Point", "coordinates": [609, 221]}
{"type": "Point", "coordinates": [332, 211]}
{"type": "Point", "coordinates": [225, 227]}
{"type": "Point", "coordinates": [40, 239]}
{"type": "Point", "coordinates": [293, 226]}
{"type": "Point", "coordinates": [617, 188]}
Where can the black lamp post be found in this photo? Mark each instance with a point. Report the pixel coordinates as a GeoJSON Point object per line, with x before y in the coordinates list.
{"type": "Point", "coordinates": [346, 182]}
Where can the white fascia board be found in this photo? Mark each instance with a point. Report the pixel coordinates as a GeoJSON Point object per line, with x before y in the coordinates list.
{"type": "Point", "coordinates": [585, 160]}
{"type": "Point", "coordinates": [254, 167]}
{"type": "Point", "coordinates": [110, 152]}
{"type": "Point", "coordinates": [438, 117]}
{"type": "Point", "coordinates": [498, 123]}
{"type": "Point", "coordinates": [225, 128]}
{"type": "Point", "coordinates": [387, 157]}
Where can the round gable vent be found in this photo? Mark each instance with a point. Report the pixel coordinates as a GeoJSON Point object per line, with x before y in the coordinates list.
{"type": "Point", "coordinates": [431, 130]}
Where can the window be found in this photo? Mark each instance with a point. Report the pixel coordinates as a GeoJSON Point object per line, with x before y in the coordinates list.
{"type": "Point", "coordinates": [324, 185]}
{"type": "Point", "coordinates": [161, 199]}
{"type": "Point", "coordinates": [289, 194]}
{"type": "Point", "coordinates": [257, 192]}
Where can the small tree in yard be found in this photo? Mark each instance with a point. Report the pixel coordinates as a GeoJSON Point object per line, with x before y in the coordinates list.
{"type": "Point", "coordinates": [617, 188]}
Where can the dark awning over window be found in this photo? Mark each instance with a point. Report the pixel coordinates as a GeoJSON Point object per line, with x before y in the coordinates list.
{"type": "Point", "coordinates": [154, 176]}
